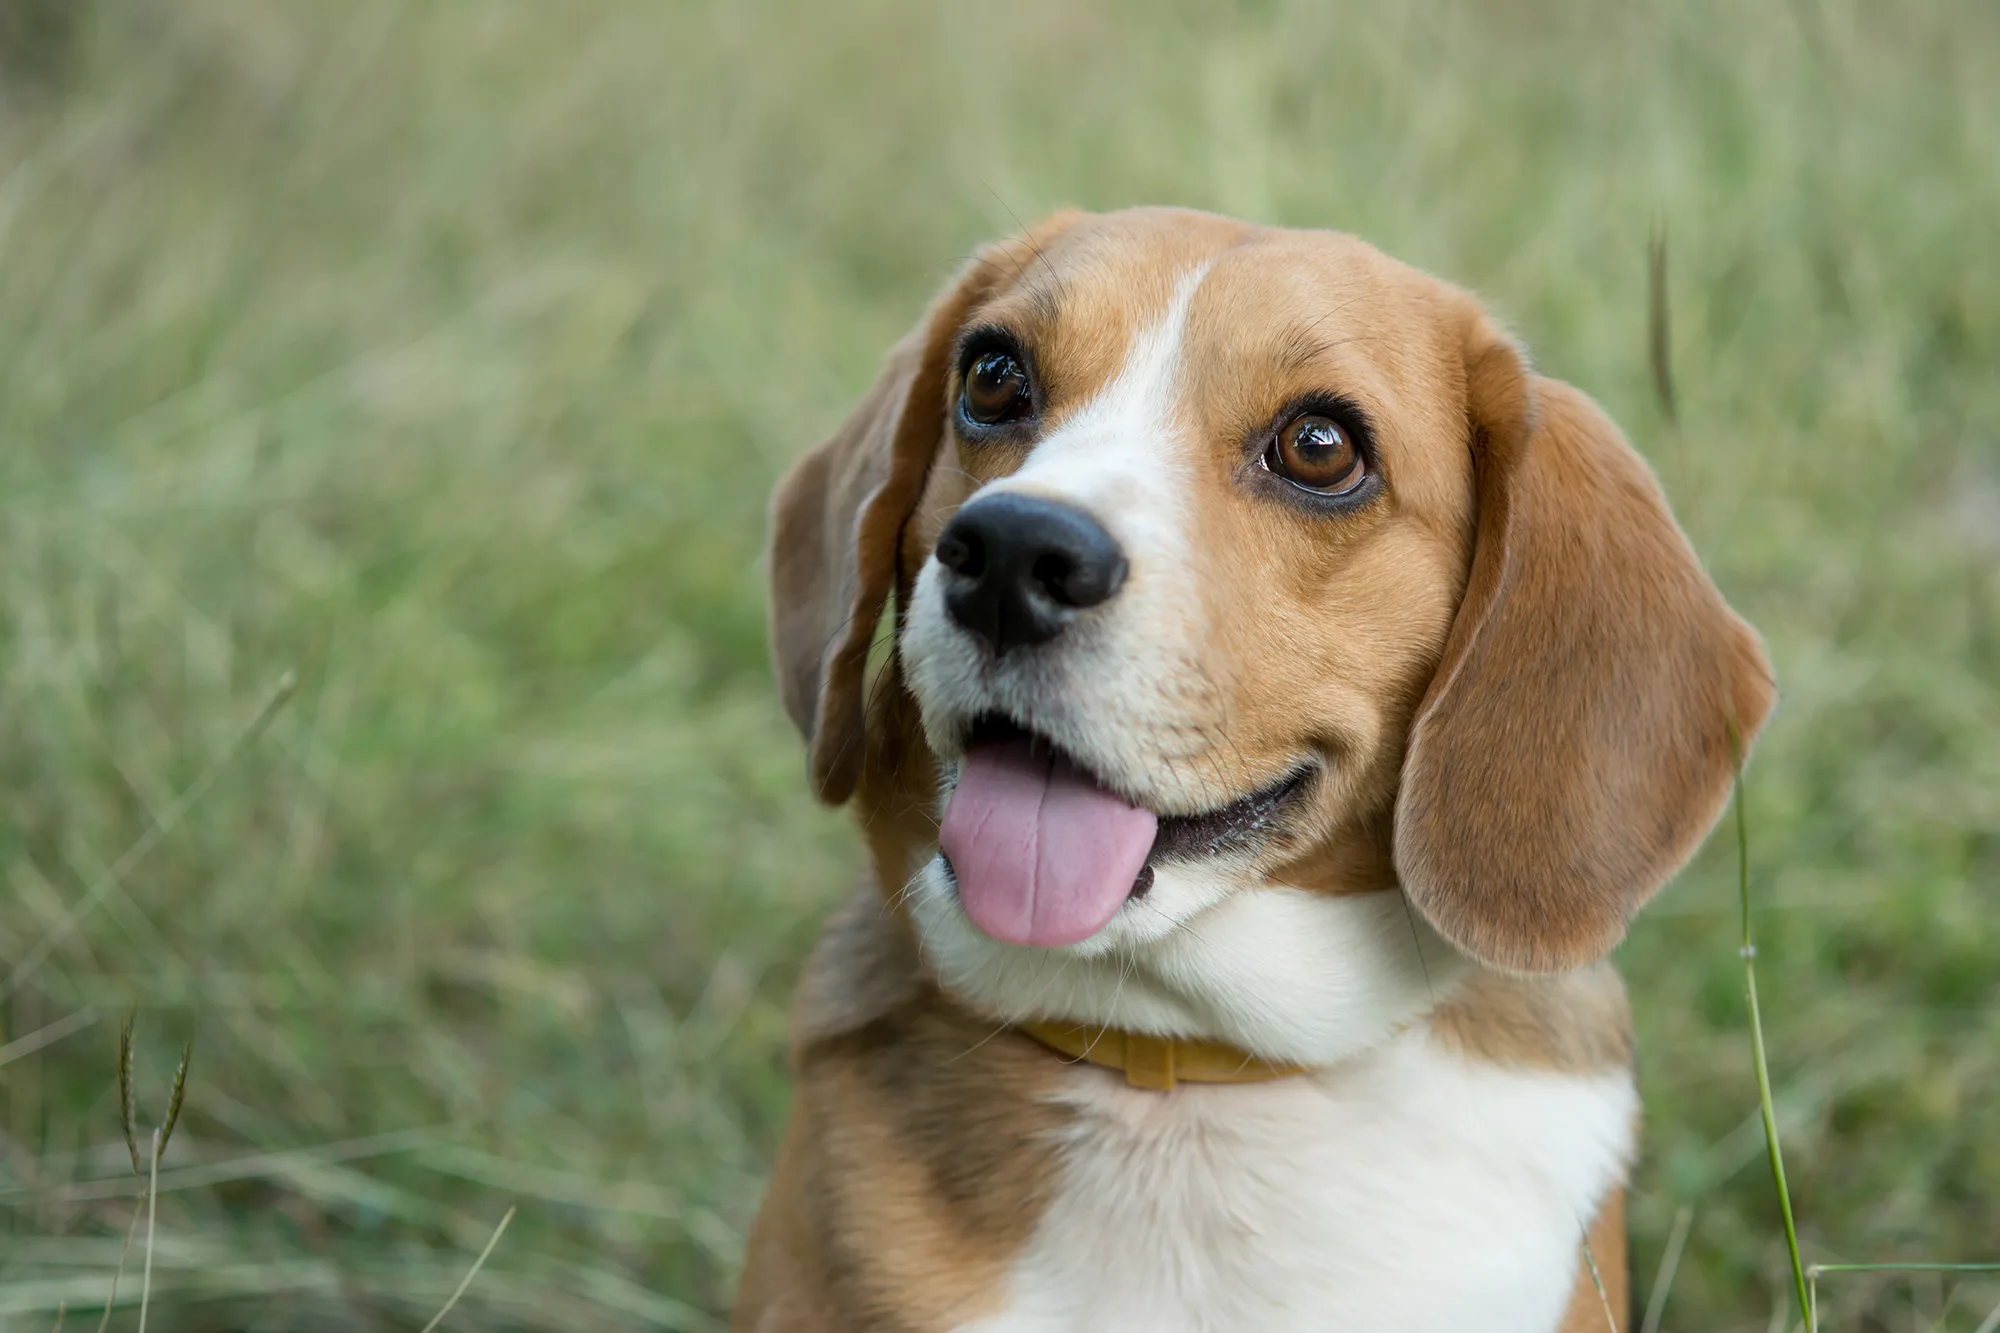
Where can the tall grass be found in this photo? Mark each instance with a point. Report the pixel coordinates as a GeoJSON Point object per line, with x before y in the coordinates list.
{"type": "Point", "coordinates": [1805, 1278]}
{"type": "Point", "coordinates": [444, 355]}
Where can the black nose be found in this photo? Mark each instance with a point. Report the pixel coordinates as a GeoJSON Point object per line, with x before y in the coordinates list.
{"type": "Point", "coordinates": [1020, 568]}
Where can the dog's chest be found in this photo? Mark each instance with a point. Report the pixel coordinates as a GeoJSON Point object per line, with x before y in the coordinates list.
{"type": "Point", "coordinates": [1410, 1190]}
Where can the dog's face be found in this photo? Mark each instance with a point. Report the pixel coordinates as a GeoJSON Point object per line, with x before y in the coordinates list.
{"type": "Point", "coordinates": [1200, 521]}
{"type": "Point", "coordinates": [1231, 562]}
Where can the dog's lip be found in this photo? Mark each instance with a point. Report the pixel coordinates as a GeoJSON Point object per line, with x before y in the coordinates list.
{"type": "Point", "coordinates": [1234, 826]}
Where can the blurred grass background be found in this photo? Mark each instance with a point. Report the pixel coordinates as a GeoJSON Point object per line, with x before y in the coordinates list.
{"type": "Point", "coordinates": [443, 354]}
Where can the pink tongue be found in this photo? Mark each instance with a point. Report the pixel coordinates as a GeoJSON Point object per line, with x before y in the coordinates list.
{"type": "Point", "coordinates": [1042, 854]}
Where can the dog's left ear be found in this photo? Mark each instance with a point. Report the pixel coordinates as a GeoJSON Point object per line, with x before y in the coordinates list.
{"type": "Point", "coordinates": [1580, 736]}
{"type": "Point", "coordinates": [837, 520]}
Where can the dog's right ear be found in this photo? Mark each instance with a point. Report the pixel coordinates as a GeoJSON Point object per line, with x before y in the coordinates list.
{"type": "Point", "coordinates": [837, 520]}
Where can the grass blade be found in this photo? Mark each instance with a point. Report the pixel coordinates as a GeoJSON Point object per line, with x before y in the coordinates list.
{"type": "Point", "coordinates": [128, 1110]}
{"type": "Point", "coordinates": [124, 1253]}
{"type": "Point", "coordinates": [1659, 325]}
{"type": "Point", "coordinates": [470, 1273]}
{"type": "Point", "coordinates": [1670, 1264]}
{"type": "Point", "coordinates": [174, 1100]}
{"type": "Point", "coordinates": [142, 846]}
{"type": "Point", "coordinates": [152, 1207]}
{"type": "Point", "coordinates": [1597, 1280]}
{"type": "Point", "coordinates": [1749, 950]}
{"type": "Point", "coordinates": [47, 1035]}
{"type": "Point", "coordinates": [1812, 1282]}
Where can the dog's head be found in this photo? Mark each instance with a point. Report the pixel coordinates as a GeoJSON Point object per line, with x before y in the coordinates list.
{"type": "Point", "coordinates": [1230, 561]}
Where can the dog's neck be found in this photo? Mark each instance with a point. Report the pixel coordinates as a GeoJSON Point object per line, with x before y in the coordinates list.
{"type": "Point", "coordinates": [1281, 973]}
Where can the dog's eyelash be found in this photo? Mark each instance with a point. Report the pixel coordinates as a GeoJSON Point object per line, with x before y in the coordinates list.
{"type": "Point", "coordinates": [1351, 416]}
{"type": "Point", "coordinates": [980, 340]}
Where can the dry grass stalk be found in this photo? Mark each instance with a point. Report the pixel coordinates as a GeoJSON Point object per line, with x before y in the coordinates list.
{"type": "Point", "coordinates": [1597, 1280]}
{"type": "Point", "coordinates": [1659, 325]}
{"type": "Point", "coordinates": [149, 1173]}
{"type": "Point", "coordinates": [470, 1273]}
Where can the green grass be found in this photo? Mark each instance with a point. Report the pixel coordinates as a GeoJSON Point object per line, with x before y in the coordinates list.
{"type": "Point", "coordinates": [443, 355]}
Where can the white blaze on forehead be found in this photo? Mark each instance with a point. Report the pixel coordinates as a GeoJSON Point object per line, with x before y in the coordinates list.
{"type": "Point", "coordinates": [1120, 456]}
{"type": "Point", "coordinates": [1132, 690]}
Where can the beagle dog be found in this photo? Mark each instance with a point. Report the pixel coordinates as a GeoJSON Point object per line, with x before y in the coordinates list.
{"type": "Point", "coordinates": [1286, 698]}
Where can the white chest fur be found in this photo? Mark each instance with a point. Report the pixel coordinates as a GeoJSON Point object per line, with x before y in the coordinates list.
{"type": "Point", "coordinates": [1406, 1191]}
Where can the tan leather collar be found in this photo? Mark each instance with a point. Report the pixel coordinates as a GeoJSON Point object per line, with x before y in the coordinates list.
{"type": "Point", "coordinates": [1158, 1063]}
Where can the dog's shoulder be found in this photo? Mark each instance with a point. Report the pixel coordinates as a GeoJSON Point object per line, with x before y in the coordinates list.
{"type": "Point", "coordinates": [914, 1121]}
{"type": "Point", "coordinates": [863, 970]}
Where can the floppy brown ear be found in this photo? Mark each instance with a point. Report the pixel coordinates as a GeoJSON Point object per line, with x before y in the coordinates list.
{"type": "Point", "coordinates": [837, 518]}
{"type": "Point", "coordinates": [1576, 743]}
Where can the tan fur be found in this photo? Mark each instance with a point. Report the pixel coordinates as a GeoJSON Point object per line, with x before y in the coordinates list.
{"type": "Point", "coordinates": [912, 1120]}
{"type": "Point", "coordinates": [1575, 1023]}
{"type": "Point", "coordinates": [1607, 1247]}
{"type": "Point", "coordinates": [1523, 681]}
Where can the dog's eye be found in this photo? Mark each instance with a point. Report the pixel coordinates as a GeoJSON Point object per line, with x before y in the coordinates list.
{"type": "Point", "coordinates": [1317, 453]}
{"type": "Point", "coordinates": [996, 388]}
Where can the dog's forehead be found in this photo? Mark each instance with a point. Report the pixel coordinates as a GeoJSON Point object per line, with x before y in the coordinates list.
{"type": "Point", "coordinates": [1250, 305]}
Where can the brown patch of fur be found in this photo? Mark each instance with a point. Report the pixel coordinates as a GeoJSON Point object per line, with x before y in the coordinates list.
{"type": "Point", "coordinates": [1326, 629]}
{"type": "Point", "coordinates": [921, 1154]}
{"type": "Point", "coordinates": [1607, 1247]}
{"type": "Point", "coordinates": [783, 1287]}
{"type": "Point", "coordinates": [1574, 1023]}
{"type": "Point", "coordinates": [896, 802]}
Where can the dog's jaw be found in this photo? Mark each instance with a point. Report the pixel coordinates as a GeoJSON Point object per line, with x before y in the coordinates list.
{"type": "Point", "coordinates": [1214, 951]}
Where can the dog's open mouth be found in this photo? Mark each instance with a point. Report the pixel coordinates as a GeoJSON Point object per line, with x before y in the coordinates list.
{"type": "Point", "coordinates": [1045, 854]}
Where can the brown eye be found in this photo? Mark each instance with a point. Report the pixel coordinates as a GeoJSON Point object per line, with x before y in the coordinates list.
{"type": "Point", "coordinates": [996, 388]}
{"type": "Point", "coordinates": [1317, 453]}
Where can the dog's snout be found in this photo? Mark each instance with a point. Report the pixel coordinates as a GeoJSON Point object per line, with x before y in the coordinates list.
{"type": "Point", "coordinates": [1019, 568]}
